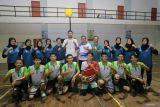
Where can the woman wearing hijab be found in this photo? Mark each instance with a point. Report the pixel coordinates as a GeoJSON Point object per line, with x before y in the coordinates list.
{"type": "Point", "coordinates": [145, 56]}
{"type": "Point", "coordinates": [38, 51]}
{"type": "Point", "coordinates": [11, 52]}
{"type": "Point", "coordinates": [27, 53]}
{"type": "Point", "coordinates": [118, 48]}
{"type": "Point", "coordinates": [130, 49]}
{"type": "Point", "coordinates": [48, 50]}
{"type": "Point", "coordinates": [107, 49]}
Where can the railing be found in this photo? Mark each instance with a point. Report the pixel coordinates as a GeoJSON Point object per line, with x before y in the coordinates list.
{"type": "Point", "coordinates": [27, 11]}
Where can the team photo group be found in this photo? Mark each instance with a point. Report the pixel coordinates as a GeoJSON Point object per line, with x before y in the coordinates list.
{"type": "Point", "coordinates": [78, 67]}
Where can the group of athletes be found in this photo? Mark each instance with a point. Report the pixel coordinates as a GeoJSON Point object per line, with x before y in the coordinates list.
{"type": "Point", "coordinates": [78, 67]}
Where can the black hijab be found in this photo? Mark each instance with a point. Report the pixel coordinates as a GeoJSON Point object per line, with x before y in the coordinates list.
{"type": "Point", "coordinates": [129, 46]}
{"type": "Point", "coordinates": [9, 42]}
{"type": "Point", "coordinates": [117, 44]}
{"type": "Point", "coordinates": [145, 46]}
{"type": "Point", "coordinates": [27, 47]}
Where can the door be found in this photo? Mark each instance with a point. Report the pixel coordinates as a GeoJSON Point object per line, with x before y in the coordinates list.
{"type": "Point", "coordinates": [35, 8]}
{"type": "Point", "coordinates": [154, 14]}
{"type": "Point", "coordinates": [81, 10]}
{"type": "Point", "coordinates": [120, 12]}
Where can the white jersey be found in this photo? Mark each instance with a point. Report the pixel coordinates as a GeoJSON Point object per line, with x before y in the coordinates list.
{"type": "Point", "coordinates": [55, 68]}
{"type": "Point", "coordinates": [37, 75]}
{"type": "Point", "coordinates": [70, 46]}
{"type": "Point", "coordinates": [105, 70]}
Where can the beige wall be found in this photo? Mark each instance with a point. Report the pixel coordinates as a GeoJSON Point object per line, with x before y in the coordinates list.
{"type": "Point", "coordinates": [24, 31]}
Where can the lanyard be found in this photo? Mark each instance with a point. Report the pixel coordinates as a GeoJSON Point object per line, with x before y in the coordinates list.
{"type": "Point", "coordinates": [36, 69]}
{"type": "Point", "coordinates": [19, 72]}
{"type": "Point", "coordinates": [104, 64]}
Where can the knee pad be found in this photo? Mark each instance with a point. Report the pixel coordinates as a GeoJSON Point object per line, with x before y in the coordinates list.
{"type": "Point", "coordinates": [83, 92]}
{"type": "Point", "coordinates": [116, 78]}
{"type": "Point", "coordinates": [101, 83]}
{"type": "Point", "coordinates": [16, 94]}
{"type": "Point", "coordinates": [42, 85]}
{"type": "Point", "coordinates": [60, 78]}
{"type": "Point", "coordinates": [31, 97]}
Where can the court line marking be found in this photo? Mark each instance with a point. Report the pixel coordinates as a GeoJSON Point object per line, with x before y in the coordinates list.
{"type": "Point", "coordinates": [99, 101]}
{"type": "Point", "coordinates": [5, 94]}
{"type": "Point", "coordinates": [156, 80]}
{"type": "Point", "coordinates": [7, 85]}
{"type": "Point", "coordinates": [119, 104]}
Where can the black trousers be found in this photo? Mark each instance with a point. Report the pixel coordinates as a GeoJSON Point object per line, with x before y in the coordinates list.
{"type": "Point", "coordinates": [148, 74]}
{"type": "Point", "coordinates": [137, 86]}
{"type": "Point", "coordinates": [18, 91]}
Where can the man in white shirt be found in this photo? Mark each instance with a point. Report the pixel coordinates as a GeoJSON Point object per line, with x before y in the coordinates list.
{"type": "Point", "coordinates": [84, 48]}
{"type": "Point", "coordinates": [71, 45]}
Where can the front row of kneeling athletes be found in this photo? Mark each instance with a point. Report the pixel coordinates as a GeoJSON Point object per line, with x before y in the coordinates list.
{"type": "Point", "coordinates": [94, 77]}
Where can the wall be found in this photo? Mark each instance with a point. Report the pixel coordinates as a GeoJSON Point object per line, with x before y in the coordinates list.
{"type": "Point", "coordinates": [136, 5]}
{"type": "Point", "coordinates": [16, 2]}
{"type": "Point", "coordinates": [143, 5]}
{"type": "Point", "coordinates": [105, 31]}
{"type": "Point", "coordinates": [110, 32]}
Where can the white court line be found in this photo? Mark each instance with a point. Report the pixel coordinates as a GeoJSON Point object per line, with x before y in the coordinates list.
{"type": "Point", "coordinates": [5, 94]}
{"type": "Point", "coordinates": [99, 101]}
{"type": "Point", "coordinates": [7, 85]}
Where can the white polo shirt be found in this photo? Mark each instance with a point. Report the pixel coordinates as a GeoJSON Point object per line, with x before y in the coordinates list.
{"type": "Point", "coordinates": [70, 47]}
{"type": "Point", "coordinates": [83, 52]}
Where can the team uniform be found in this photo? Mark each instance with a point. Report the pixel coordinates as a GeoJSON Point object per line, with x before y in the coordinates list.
{"type": "Point", "coordinates": [128, 54]}
{"type": "Point", "coordinates": [135, 70]}
{"type": "Point", "coordinates": [55, 72]}
{"type": "Point", "coordinates": [21, 86]}
{"type": "Point", "coordinates": [120, 70]}
{"type": "Point", "coordinates": [96, 55]}
{"type": "Point", "coordinates": [145, 56]}
{"type": "Point", "coordinates": [48, 53]}
{"type": "Point", "coordinates": [108, 52]}
{"type": "Point", "coordinates": [74, 67]}
{"type": "Point", "coordinates": [36, 80]}
{"type": "Point", "coordinates": [27, 55]}
{"type": "Point", "coordinates": [11, 57]}
{"type": "Point", "coordinates": [60, 53]}
{"type": "Point", "coordinates": [40, 54]}
{"type": "Point", "coordinates": [105, 74]}
{"type": "Point", "coordinates": [116, 51]}
{"type": "Point", "coordinates": [90, 75]}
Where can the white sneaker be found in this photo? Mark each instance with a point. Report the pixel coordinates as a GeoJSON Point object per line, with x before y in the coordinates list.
{"type": "Point", "coordinates": [43, 94]}
{"type": "Point", "coordinates": [147, 87]}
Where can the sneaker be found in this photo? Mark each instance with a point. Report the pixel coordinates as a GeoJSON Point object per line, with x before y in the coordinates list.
{"type": "Point", "coordinates": [148, 87]}
{"type": "Point", "coordinates": [43, 94]}
{"type": "Point", "coordinates": [65, 89]}
{"type": "Point", "coordinates": [60, 90]}
{"type": "Point", "coordinates": [99, 87]}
